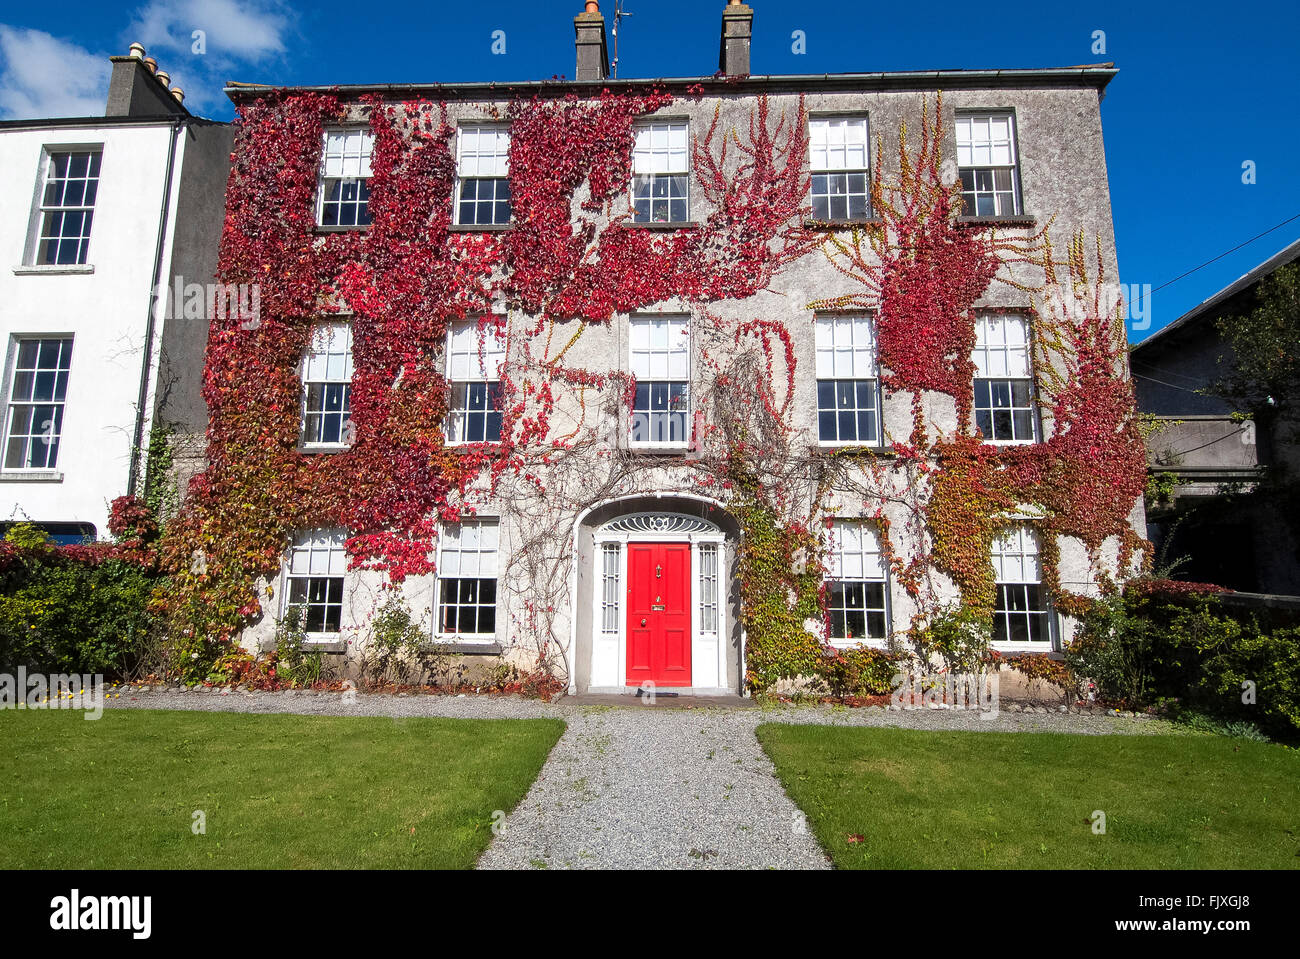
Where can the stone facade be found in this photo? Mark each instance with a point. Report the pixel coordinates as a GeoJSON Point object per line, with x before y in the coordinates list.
{"type": "Point", "coordinates": [549, 572]}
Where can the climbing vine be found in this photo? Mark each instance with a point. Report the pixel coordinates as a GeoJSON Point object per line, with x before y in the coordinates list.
{"type": "Point", "coordinates": [924, 272]}
{"type": "Point", "coordinates": [569, 264]}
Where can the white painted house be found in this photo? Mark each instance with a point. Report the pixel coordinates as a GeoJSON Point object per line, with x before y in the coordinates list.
{"type": "Point", "coordinates": [104, 210]}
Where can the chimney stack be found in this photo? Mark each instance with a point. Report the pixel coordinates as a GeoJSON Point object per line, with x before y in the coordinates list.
{"type": "Point", "coordinates": [737, 29]}
{"type": "Point", "coordinates": [137, 88]}
{"type": "Point", "coordinates": [589, 38]}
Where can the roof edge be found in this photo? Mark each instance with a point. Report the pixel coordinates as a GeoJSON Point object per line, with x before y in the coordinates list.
{"type": "Point", "coordinates": [160, 120]}
{"type": "Point", "coordinates": [1093, 75]}
{"type": "Point", "coordinates": [1288, 254]}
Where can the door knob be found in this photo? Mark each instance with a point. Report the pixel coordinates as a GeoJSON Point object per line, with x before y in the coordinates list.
{"type": "Point", "coordinates": [642, 620]}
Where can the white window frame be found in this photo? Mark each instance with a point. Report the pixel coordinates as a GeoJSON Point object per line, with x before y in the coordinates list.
{"type": "Point", "coordinates": [861, 565]}
{"type": "Point", "coordinates": [609, 600]}
{"type": "Point", "coordinates": [1016, 559]}
{"type": "Point", "coordinates": [444, 538]}
{"type": "Point", "coordinates": [709, 579]}
{"type": "Point", "coordinates": [66, 341]}
{"type": "Point", "coordinates": [823, 162]}
{"type": "Point", "coordinates": [343, 366]}
{"type": "Point", "coordinates": [992, 152]}
{"type": "Point", "coordinates": [498, 168]}
{"type": "Point", "coordinates": [856, 359]}
{"type": "Point", "coordinates": [35, 239]}
{"type": "Point", "coordinates": [676, 366]}
{"type": "Point", "coordinates": [660, 157]}
{"type": "Point", "coordinates": [308, 542]}
{"type": "Point", "coordinates": [363, 172]}
{"type": "Point", "coordinates": [482, 366]}
{"type": "Point", "coordinates": [1006, 361]}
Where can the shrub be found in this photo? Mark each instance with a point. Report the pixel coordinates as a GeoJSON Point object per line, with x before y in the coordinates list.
{"type": "Point", "coordinates": [296, 663]}
{"type": "Point", "coordinates": [72, 609]}
{"type": "Point", "coordinates": [1151, 644]}
{"type": "Point", "coordinates": [1114, 648]}
{"type": "Point", "coordinates": [399, 650]}
{"type": "Point", "coordinates": [1040, 666]}
{"type": "Point", "coordinates": [1252, 675]}
{"type": "Point", "coordinates": [958, 635]}
{"type": "Point", "coordinates": [861, 671]}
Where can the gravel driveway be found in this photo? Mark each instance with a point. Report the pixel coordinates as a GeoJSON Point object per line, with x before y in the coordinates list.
{"type": "Point", "coordinates": [645, 787]}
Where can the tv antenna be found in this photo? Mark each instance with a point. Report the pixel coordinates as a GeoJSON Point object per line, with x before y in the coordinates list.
{"type": "Point", "coordinates": [619, 14]}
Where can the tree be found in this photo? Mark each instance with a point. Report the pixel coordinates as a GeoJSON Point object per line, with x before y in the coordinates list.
{"type": "Point", "coordinates": [1264, 374]}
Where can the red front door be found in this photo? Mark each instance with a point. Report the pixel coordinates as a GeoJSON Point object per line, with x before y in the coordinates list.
{"type": "Point", "coordinates": [658, 614]}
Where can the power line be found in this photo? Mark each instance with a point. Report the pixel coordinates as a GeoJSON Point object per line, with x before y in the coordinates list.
{"type": "Point", "coordinates": [1156, 369]}
{"type": "Point", "coordinates": [1172, 386]}
{"type": "Point", "coordinates": [1219, 257]}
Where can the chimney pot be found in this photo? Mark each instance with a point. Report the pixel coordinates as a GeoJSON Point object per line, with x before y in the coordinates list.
{"type": "Point", "coordinates": [737, 30]}
{"type": "Point", "coordinates": [593, 6]}
{"type": "Point", "coordinates": [179, 94]}
{"type": "Point", "coordinates": [131, 95]}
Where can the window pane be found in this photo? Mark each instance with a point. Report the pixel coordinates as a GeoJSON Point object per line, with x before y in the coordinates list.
{"type": "Point", "coordinates": [660, 361]}
{"type": "Point", "coordinates": [1023, 424]}
{"type": "Point", "coordinates": [327, 391]}
{"type": "Point", "coordinates": [38, 387]}
{"type": "Point", "coordinates": [467, 601]}
{"type": "Point", "coordinates": [66, 202]}
{"type": "Point", "coordinates": [1022, 614]}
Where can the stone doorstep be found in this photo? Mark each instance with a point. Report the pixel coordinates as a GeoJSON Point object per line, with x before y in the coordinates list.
{"type": "Point", "coordinates": [661, 701]}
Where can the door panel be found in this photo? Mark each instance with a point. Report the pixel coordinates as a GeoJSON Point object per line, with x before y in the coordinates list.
{"type": "Point", "coordinates": [658, 614]}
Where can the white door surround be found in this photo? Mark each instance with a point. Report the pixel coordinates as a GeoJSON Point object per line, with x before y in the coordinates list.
{"type": "Point", "coordinates": [609, 595]}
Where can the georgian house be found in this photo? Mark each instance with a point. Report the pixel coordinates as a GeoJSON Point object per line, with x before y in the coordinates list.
{"type": "Point", "coordinates": [667, 382]}
{"type": "Point", "coordinates": [105, 213]}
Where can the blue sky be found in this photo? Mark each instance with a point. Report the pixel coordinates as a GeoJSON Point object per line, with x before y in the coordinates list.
{"type": "Point", "coordinates": [1203, 87]}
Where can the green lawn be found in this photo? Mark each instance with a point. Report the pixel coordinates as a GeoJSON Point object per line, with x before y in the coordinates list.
{"type": "Point", "coordinates": [954, 800]}
{"type": "Point", "coordinates": [278, 791]}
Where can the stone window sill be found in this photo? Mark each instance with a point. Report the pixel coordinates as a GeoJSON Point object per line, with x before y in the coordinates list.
{"type": "Point", "coordinates": [1020, 219]}
{"type": "Point", "coordinates": [841, 449]}
{"type": "Point", "coordinates": [480, 227]}
{"type": "Point", "coordinates": [319, 228]}
{"type": "Point", "coordinates": [830, 225]}
{"type": "Point", "coordinates": [31, 476]}
{"type": "Point", "coordinates": [1025, 649]}
{"type": "Point", "coordinates": [682, 225]}
{"type": "Point", "coordinates": [325, 646]}
{"type": "Point", "coordinates": [333, 448]}
{"type": "Point", "coordinates": [54, 269]}
{"type": "Point", "coordinates": [464, 649]}
{"type": "Point", "coordinates": [682, 450]}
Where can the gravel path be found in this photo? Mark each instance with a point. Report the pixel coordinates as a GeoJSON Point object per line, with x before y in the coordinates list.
{"type": "Point", "coordinates": [646, 787]}
{"type": "Point", "coordinates": [629, 788]}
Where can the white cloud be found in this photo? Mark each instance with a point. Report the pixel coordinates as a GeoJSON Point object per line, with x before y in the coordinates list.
{"type": "Point", "coordinates": [243, 31]}
{"type": "Point", "coordinates": [43, 76]}
{"type": "Point", "coordinates": [236, 34]}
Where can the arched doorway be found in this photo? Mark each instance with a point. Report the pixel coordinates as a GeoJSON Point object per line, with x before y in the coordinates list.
{"type": "Point", "coordinates": [656, 600]}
